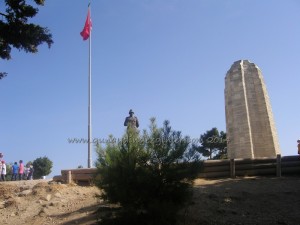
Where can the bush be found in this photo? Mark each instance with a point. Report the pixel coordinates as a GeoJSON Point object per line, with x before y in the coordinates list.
{"type": "Point", "coordinates": [42, 167]}
{"type": "Point", "coordinates": [147, 175]}
{"type": "Point", "coordinates": [8, 171]}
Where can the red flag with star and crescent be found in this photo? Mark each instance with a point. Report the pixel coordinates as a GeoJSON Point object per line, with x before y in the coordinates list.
{"type": "Point", "coordinates": [85, 33]}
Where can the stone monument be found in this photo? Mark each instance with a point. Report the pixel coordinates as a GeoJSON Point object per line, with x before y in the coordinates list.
{"type": "Point", "coordinates": [250, 126]}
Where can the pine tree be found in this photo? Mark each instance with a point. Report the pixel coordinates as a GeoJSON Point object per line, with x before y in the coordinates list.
{"type": "Point", "coordinates": [213, 144]}
{"type": "Point", "coordinates": [147, 174]}
{"type": "Point", "coordinates": [17, 32]}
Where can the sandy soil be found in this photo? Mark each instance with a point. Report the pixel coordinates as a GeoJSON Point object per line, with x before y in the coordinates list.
{"type": "Point", "coordinates": [244, 201]}
{"type": "Point", "coordinates": [42, 202]}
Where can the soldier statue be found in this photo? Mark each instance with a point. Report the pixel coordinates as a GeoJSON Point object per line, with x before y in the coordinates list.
{"type": "Point", "coordinates": [131, 120]}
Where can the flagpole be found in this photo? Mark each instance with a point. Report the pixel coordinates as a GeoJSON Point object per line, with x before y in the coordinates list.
{"type": "Point", "coordinates": [90, 102]}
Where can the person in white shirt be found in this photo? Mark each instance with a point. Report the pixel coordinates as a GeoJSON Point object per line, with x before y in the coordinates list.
{"type": "Point", "coordinates": [3, 171]}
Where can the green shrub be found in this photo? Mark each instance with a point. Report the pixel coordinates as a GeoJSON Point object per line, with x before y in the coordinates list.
{"type": "Point", "coordinates": [42, 167]}
{"type": "Point", "coordinates": [146, 174]}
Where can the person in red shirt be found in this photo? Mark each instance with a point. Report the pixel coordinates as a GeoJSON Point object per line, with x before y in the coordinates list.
{"type": "Point", "coordinates": [21, 169]}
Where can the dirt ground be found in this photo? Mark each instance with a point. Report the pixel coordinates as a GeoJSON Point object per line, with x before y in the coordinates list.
{"type": "Point", "coordinates": [241, 201]}
{"type": "Point", "coordinates": [245, 201]}
{"type": "Point", "coordinates": [41, 202]}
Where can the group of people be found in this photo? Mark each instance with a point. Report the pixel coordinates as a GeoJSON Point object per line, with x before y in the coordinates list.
{"type": "Point", "coordinates": [19, 171]}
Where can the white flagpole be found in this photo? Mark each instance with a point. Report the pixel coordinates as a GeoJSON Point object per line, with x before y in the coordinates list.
{"type": "Point", "coordinates": [90, 101]}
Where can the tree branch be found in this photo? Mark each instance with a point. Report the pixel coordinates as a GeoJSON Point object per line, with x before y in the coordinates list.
{"type": "Point", "coordinates": [2, 75]}
{"type": "Point", "coordinates": [2, 14]}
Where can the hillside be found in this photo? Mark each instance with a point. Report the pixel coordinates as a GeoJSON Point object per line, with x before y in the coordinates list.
{"type": "Point", "coordinates": [252, 200]}
{"type": "Point", "coordinates": [40, 202]}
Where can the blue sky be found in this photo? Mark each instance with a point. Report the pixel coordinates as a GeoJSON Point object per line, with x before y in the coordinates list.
{"type": "Point", "coordinates": [162, 58]}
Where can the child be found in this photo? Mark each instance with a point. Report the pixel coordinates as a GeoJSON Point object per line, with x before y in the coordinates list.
{"type": "Point", "coordinates": [30, 174]}
{"type": "Point", "coordinates": [3, 171]}
{"type": "Point", "coordinates": [21, 169]}
{"type": "Point", "coordinates": [15, 170]}
{"type": "Point", "coordinates": [26, 172]}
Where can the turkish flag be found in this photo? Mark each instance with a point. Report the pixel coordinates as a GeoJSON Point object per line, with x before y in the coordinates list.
{"type": "Point", "coordinates": [85, 33]}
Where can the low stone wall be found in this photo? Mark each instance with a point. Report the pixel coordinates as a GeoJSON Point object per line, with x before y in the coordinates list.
{"type": "Point", "coordinates": [251, 167]}
{"type": "Point", "coordinates": [76, 175]}
{"type": "Point", "coordinates": [278, 166]}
